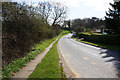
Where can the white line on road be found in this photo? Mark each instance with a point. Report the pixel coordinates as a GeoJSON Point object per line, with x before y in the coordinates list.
{"type": "Point", "coordinates": [85, 58]}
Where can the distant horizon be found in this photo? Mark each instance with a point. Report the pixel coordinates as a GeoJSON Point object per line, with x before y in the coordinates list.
{"type": "Point", "coordinates": [81, 8]}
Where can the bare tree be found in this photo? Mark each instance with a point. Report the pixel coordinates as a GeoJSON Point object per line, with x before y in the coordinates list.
{"type": "Point", "coordinates": [58, 13]}
{"type": "Point", "coordinates": [45, 9]}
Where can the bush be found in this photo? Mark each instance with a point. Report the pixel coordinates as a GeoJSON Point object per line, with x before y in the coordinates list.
{"type": "Point", "coordinates": [21, 28]}
{"type": "Point", "coordinates": [105, 39]}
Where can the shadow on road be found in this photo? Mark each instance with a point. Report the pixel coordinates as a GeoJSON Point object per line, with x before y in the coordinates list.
{"type": "Point", "coordinates": [115, 59]}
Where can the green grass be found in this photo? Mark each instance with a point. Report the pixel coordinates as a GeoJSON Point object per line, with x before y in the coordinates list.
{"type": "Point", "coordinates": [0, 74]}
{"type": "Point", "coordinates": [97, 34]}
{"type": "Point", "coordinates": [64, 32]}
{"type": "Point", "coordinates": [88, 33]}
{"type": "Point", "coordinates": [49, 67]}
{"type": "Point", "coordinates": [7, 71]}
{"type": "Point", "coordinates": [112, 47]}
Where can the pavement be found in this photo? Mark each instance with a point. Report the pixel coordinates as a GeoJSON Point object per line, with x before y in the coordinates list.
{"type": "Point", "coordinates": [86, 61]}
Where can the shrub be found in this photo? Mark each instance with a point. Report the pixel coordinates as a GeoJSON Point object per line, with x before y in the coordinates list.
{"type": "Point", "coordinates": [22, 27]}
{"type": "Point", "coordinates": [105, 39]}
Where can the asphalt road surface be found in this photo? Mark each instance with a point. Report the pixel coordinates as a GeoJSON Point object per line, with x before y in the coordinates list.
{"type": "Point", "coordinates": [87, 61]}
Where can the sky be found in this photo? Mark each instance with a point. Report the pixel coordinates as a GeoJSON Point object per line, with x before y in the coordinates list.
{"type": "Point", "coordinates": [81, 8]}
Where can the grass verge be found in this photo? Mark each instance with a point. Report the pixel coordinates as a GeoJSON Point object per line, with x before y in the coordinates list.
{"type": "Point", "coordinates": [0, 74]}
{"type": "Point", "coordinates": [49, 67]}
{"type": "Point", "coordinates": [111, 47]}
{"type": "Point", "coordinates": [9, 70]}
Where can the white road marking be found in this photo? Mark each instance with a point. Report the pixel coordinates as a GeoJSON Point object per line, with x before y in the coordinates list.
{"type": "Point", "coordinates": [109, 58]}
{"type": "Point", "coordinates": [104, 54]}
{"type": "Point", "coordinates": [93, 63]}
{"type": "Point", "coordinates": [85, 58]}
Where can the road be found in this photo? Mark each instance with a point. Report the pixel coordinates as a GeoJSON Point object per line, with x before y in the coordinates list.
{"type": "Point", "coordinates": [87, 61]}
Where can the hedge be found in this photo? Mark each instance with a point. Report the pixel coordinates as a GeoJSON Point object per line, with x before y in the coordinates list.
{"type": "Point", "coordinates": [112, 39]}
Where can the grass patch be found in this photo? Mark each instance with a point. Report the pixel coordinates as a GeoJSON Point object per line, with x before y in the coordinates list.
{"type": "Point", "coordinates": [89, 33]}
{"type": "Point", "coordinates": [112, 47]}
{"type": "Point", "coordinates": [0, 74]}
{"type": "Point", "coordinates": [7, 71]}
{"type": "Point", "coordinates": [97, 34]}
{"type": "Point", "coordinates": [62, 73]}
{"type": "Point", "coordinates": [86, 33]}
{"type": "Point", "coordinates": [64, 32]}
{"type": "Point", "coordinates": [49, 67]}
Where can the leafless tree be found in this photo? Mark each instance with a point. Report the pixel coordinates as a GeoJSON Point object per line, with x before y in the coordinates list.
{"type": "Point", "coordinates": [54, 13]}
{"type": "Point", "coordinates": [58, 13]}
{"type": "Point", "coordinates": [45, 9]}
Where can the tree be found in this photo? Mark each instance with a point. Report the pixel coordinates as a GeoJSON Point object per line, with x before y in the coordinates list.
{"type": "Point", "coordinates": [112, 18]}
{"type": "Point", "coordinates": [22, 26]}
{"type": "Point", "coordinates": [58, 13]}
{"type": "Point", "coordinates": [15, 31]}
{"type": "Point", "coordinates": [87, 24]}
{"type": "Point", "coordinates": [67, 25]}
{"type": "Point", "coordinates": [78, 25]}
{"type": "Point", "coordinates": [54, 13]}
{"type": "Point", "coordinates": [45, 9]}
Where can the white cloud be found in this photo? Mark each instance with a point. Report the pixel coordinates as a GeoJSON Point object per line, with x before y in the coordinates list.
{"type": "Point", "coordinates": [82, 8]}
{"type": "Point", "coordinates": [69, 3]}
{"type": "Point", "coordinates": [116, 0]}
{"type": "Point", "coordinates": [99, 5]}
{"type": "Point", "coordinates": [94, 7]}
{"type": "Point", "coordinates": [73, 3]}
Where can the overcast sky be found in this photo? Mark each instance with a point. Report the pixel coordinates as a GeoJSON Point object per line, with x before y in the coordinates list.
{"type": "Point", "coordinates": [82, 8]}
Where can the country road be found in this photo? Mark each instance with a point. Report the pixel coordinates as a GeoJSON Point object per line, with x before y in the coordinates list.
{"type": "Point", "coordinates": [87, 61]}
